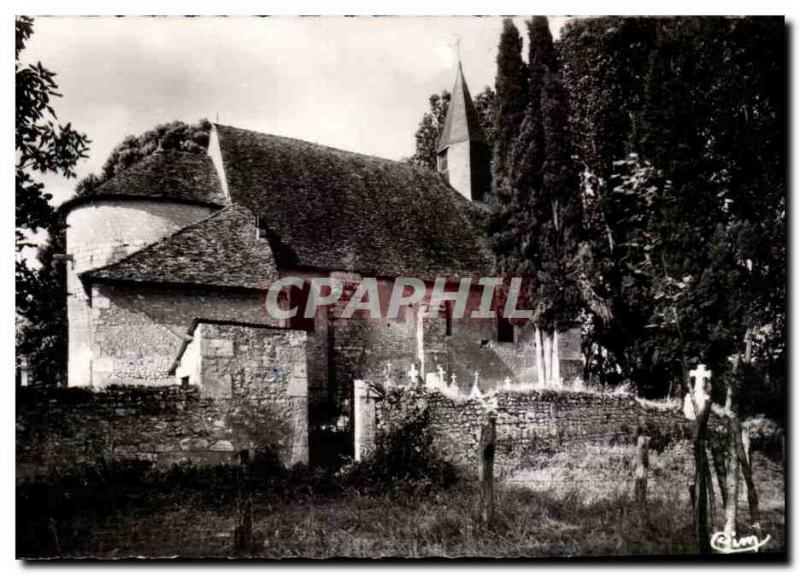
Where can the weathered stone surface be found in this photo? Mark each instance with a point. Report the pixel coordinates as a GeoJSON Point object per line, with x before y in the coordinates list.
{"type": "Point", "coordinates": [527, 422]}
{"type": "Point", "coordinates": [193, 444]}
{"type": "Point", "coordinates": [58, 429]}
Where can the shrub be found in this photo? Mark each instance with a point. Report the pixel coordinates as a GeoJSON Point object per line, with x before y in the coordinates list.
{"type": "Point", "coordinates": [404, 458]}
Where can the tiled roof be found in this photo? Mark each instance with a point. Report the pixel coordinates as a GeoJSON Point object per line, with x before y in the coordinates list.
{"type": "Point", "coordinates": [462, 122]}
{"type": "Point", "coordinates": [222, 250]}
{"type": "Point", "coordinates": [334, 210]}
{"type": "Point", "coordinates": [172, 175]}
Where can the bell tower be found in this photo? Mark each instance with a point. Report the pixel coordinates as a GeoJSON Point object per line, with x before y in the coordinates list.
{"type": "Point", "coordinates": [463, 155]}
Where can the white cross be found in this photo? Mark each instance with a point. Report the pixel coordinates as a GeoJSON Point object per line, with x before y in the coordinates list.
{"type": "Point", "coordinates": [700, 375]}
{"type": "Point", "coordinates": [476, 390]}
{"type": "Point", "coordinates": [700, 400]}
{"type": "Point", "coordinates": [507, 382]}
{"type": "Point", "coordinates": [453, 379]}
{"type": "Point", "coordinates": [413, 373]}
{"type": "Point", "coordinates": [440, 371]}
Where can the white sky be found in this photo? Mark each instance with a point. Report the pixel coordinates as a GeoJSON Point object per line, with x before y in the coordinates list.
{"type": "Point", "coordinates": [359, 84]}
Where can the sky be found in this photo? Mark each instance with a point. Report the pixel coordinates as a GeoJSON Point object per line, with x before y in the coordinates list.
{"type": "Point", "coordinates": [360, 84]}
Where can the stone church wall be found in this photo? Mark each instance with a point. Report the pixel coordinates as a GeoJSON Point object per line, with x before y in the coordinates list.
{"type": "Point", "coordinates": [103, 232]}
{"type": "Point", "coordinates": [137, 332]}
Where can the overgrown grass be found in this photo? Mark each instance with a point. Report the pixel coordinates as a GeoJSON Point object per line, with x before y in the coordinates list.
{"type": "Point", "coordinates": [580, 507]}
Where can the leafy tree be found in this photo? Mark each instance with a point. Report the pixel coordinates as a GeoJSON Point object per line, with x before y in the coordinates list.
{"type": "Point", "coordinates": [41, 147]}
{"type": "Point", "coordinates": [432, 124]}
{"type": "Point", "coordinates": [44, 335]}
{"type": "Point", "coordinates": [680, 133]}
{"type": "Point", "coordinates": [712, 123]}
{"type": "Point", "coordinates": [604, 62]}
{"type": "Point", "coordinates": [429, 130]}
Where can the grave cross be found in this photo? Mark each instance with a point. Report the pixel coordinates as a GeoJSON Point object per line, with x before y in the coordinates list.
{"type": "Point", "coordinates": [413, 373]}
{"type": "Point", "coordinates": [698, 400]}
{"type": "Point", "coordinates": [440, 371]}
{"type": "Point", "coordinates": [700, 375]}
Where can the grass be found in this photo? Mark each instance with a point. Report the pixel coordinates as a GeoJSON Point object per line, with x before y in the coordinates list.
{"type": "Point", "coordinates": [560, 505]}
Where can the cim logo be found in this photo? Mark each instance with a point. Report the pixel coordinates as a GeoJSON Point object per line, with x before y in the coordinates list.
{"type": "Point", "coordinates": [726, 543]}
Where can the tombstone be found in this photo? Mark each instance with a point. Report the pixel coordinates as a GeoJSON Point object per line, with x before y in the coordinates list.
{"type": "Point", "coordinates": [432, 381]}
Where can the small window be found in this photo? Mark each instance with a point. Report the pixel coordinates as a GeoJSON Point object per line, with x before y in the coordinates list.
{"type": "Point", "coordinates": [261, 228]}
{"type": "Point", "coordinates": [505, 330]}
{"type": "Point", "coordinates": [298, 297]}
{"type": "Point", "coordinates": [442, 161]}
{"type": "Point", "coordinates": [185, 381]}
{"type": "Point", "coordinates": [448, 318]}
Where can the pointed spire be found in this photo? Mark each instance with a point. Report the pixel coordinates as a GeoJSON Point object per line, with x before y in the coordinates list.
{"type": "Point", "coordinates": [462, 123]}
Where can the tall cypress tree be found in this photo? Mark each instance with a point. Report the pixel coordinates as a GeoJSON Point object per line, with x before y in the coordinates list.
{"type": "Point", "coordinates": [558, 209]}
{"type": "Point", "coordinates": [545, 183]}
{"type": "Point", "coordinates": [508, 226]}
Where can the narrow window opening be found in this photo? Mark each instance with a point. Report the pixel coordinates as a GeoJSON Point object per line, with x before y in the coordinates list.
{"type": "Point", "coordinates": [505, 330]}
{"type": "Point", "coordinates": [442, 161]}
{"type": "Point", "coordinates": [261, 228]}
{"type": "Point", "coordinates": [448, 317]}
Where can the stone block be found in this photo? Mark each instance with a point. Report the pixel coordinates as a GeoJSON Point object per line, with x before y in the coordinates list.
{"type": "Point", "coordinates": [217, 347]}
{"type": "Point", "coordinates": [193, 444]}
{"type": "Point", "coordinates": [222, 445]}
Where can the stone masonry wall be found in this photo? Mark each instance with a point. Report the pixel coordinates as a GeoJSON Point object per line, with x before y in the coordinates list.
{"type": "Point", "coordinates": [537, 421]}
{"type": "Point", "coordinates": [58, 429]}
{"type": "Point", "coordinates": [137, 332]}
{"type": "Point", "coordinates": [98, 234]}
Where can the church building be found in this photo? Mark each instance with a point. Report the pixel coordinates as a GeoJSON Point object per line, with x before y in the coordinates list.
{"type": "Point", "coordinates": [172, 256]}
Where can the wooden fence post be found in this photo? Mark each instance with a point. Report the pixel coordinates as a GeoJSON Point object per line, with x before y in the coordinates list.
{"type": "Point", "coordinates": [642, 466]}
{"type": "Point", "coordinates": [699, 398]}
{"type": "Point", "coordinates": [747, 471]}
{"type": "Point", "coordinates": [243, 540]}
{"type": "Point", "coordinates": [487, 448]}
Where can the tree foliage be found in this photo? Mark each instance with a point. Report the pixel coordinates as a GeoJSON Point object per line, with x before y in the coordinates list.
{"type": "Point", "coordinates": [42, 146]}
{"type": "Point", "coordinates": [174, 135]}
{"type": "Point", "coordinates": [508, 223]}
{"type": "Point", "coordinates": [680, 126]}
{"type": "Point", "coordinates": [536, 215]}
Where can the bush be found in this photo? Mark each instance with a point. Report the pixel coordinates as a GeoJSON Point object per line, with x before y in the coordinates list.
{"type": "Point", "coordinates": [404, 459]}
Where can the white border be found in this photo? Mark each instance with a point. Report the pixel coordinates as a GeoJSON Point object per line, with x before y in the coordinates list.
{"type": "Point", "coordinates": [284, 7]}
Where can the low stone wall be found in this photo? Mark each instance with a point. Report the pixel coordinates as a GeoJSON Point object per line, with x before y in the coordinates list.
{"type": "Point", "coordinates": [58, 429]}
{"type": "Point", "coordinates": [532, 422]}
